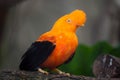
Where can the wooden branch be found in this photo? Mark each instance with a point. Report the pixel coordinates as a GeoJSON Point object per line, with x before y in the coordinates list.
{"type": "Point", "coordinates": [24, 75]}
{"type": "Point", "coordinates": [107, 66]}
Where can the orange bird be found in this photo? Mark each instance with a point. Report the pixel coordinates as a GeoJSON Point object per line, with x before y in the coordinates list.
{"type": "Point", "coordinates": [56, 46]}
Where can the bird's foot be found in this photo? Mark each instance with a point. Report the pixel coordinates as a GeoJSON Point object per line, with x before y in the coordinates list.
{"type": "Point", "coordinates": [42, 71]}
{"type": "Point", "coordinates": [61, 72]}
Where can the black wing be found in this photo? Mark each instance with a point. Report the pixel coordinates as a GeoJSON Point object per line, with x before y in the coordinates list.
{"type": "Point", "coordinates": [36, 55]}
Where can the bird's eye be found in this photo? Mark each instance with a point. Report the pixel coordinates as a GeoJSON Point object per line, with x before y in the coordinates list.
{"type": "Point", "coordinates": [69, 20]}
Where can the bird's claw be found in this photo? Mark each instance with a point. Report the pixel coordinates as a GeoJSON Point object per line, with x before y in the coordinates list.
{"type": "Point", "coordinates": [60, 72]}
{"type": "Point", "coordinates": [66, 74]}
{"type": "Point", "coordinates": [42, 71]}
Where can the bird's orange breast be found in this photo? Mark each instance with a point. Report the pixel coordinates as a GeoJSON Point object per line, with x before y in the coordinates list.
{"type": "Point", "coordinates": [65, 47]}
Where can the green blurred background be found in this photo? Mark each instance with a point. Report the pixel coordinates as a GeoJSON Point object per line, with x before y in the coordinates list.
{"type": "Point", "coordinates": [22, 21]}
{"type": "Point", "coordinates": [85, 55]}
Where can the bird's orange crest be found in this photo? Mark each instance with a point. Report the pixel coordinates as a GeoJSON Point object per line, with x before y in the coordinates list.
{"type": "Point", "coordinates": [71, 21]}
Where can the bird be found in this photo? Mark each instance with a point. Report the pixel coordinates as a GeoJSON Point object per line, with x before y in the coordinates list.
{"type": "Point", "coordinates": [56, 46]}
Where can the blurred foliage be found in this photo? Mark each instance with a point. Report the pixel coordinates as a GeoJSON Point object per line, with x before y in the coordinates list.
{"type": "Point", "coordinates": [85, 55]}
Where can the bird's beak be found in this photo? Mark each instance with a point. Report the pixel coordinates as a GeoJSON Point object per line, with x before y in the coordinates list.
{"type": "Point", "coordinates": [83, 25]}
{"type": "Point", "coordinates": [80, 25]}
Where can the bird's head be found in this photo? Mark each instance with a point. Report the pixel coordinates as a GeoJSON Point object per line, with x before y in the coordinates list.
{"type": "Point", "coordinates": [71, 21]}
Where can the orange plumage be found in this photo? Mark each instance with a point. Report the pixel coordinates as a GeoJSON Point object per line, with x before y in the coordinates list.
{"type": "Point", "coordinates": [63, 36]}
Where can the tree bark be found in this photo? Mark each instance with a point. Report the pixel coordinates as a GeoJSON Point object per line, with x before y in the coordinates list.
{"type": "Point", "coordinates": [24, 75]}
{"type": "Point", "coordinates": [105, 67]}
